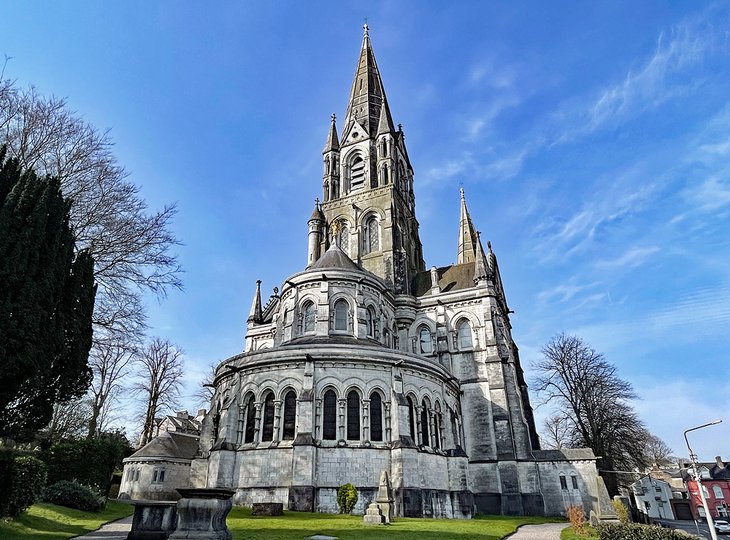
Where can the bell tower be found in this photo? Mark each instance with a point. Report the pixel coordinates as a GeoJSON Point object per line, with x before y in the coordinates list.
{"type": "Point", "coordinates": [368, 183]}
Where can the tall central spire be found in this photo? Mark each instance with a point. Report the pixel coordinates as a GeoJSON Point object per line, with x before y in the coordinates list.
{"type": "Point", "coordinates": [367, 96]}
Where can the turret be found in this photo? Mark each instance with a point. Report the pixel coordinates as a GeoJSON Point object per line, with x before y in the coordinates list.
{"type": "Point", "coordinates": [481, 267]}
{"type": "Point", "coordinates": [331, 158]}
{"type": "Point", "coordinates": [385, 143]}
{"type": "Point", "coordinates": [316, 225]}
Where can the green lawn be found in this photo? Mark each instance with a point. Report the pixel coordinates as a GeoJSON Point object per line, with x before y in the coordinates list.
{"type": "Point", "coordinates": [300, 525]}
{"type": "Point", "coordinates": [50, 522]}
{"type": "Point", "coordinates": [569, 534]}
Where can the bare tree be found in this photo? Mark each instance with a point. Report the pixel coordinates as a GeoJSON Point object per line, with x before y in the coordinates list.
{"type": "Point", "coordinates": [204, 394]}
{"type": "Point", "coordinates": [557, 432]}
{"type": "Point", "coordinates": [589, 394]}
{"type": "Point", "coordinates": [69, 420]}
{"type": "Point", "coordinates": [159, 379]}
{"type": "Point", "coordinates": [131, 246]}
{"type": "Point", "coordinates": [110, 361]}
{"type": "Point", "coordinates": [658, 452]}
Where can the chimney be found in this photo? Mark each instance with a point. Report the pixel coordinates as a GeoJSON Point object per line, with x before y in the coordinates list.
{"type": "Point", "coordinates": [182, 414]}
{"type": "Point", "coordinates": [719, 462]}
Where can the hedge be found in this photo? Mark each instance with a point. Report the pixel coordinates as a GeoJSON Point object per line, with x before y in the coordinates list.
{"type": "Point", "coordinates": [635, 531]}
{"type": "Point", "coordinates": [21, 480]}
{"type": "Point", "coordinates": [74, 495]}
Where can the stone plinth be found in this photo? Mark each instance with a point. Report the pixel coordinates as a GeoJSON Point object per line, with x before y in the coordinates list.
{"type": "Point", "coordinates": [201, 514]}
{"type": "Point", "coordinates": [153, 520]}
{"type": "Point", "coordinates": [267, 509]}
{"type": "Point", "coordinates": [373, 515]}
{"type": "Point", "coordinates": [384, 500]}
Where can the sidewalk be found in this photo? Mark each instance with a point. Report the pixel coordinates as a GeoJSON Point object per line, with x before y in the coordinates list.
{"type": "Point", "coordinates": [546, 531]}
{"type": "Point", "coordinates": [116, 530]}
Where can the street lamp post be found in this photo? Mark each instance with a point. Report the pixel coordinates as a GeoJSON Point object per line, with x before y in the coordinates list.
{"type": "Point", "coordinates": [693, 457]}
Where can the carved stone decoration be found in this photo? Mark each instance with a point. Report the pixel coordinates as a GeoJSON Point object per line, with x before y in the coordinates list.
{"type": "Point", "coordinates": [201, 514]}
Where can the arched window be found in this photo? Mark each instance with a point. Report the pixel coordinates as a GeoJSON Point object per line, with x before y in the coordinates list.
{"type": "Point", "coordinates": [425, 439]}
{"type": "Point", "coordinates": [372, 235]}
{"type": "Point", "coordinates": [250, 420]}
{"type": "Point", "coordinates": [290, 415]}
{"type": "Point", "coordinates": [424, 340]}
{"type": "Point", "coordinates": [411, 419]}
{"type": "Point", "coordinates": [357, 173]}
{"type": "Point", "coordinates": [717, 491]}
{"type": "Point", "coordinates": [341, 315]}
{"type": "Point", "coordinates": [329, 420]}
{"type": "Point", "coordinates": [370, 321]}
{"type": "Point", "coordinates": [395, 337]}
{"type": "Point", "coordinates": [385, 175]}
{"type": "Point", "coordinates": [376, 417]}
{"type": "Point", "coordinates": [463, 330]}
{"type": "Point", "coordinates": [563, 482]}
{"type": "Point", "coordinates": [267, 432]}
{"type": "Point", "coordinates": [308, 314]}
{"type": "Point", "coordinates": [437, 425]}
{"type": "Point", "coordinates": [353, 416]}
{"type": "Point", "coordinates": [386, 337]}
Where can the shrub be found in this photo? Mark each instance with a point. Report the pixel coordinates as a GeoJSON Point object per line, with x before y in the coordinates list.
{"type": "Point", "coordinates": [90, 461]}
{"type": "Point", "coordinates": [346, 498]}
{"type": "Point", "coordinates": [21, 480]}
{"type": "Point", "coordinates": [621, 511]}
{"type": "Point", "coordinates": [577, 518]}
{"type": "Point", "coordinates": [634, 531]}
{"type": "Point", "coordinates": [73, 495]}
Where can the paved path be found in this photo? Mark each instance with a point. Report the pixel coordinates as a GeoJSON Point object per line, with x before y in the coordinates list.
{"type": "Point", "coordinates": [116, 530]}
{"type": "Point", "coordinates": [546, 531]}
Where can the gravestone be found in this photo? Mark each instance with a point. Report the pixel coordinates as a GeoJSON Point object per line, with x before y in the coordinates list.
{"type": "Point", "coordinates": [153, 520]}
{"type": "Point", "coordinates": [384, 499]}
{"type": "Point", "coordinates": [201, 514]}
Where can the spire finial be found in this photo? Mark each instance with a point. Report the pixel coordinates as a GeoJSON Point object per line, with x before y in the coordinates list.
{"type": "Point", "coordinates": [461, 191]}
{"type": "Point", "coordinates": [489, 246]}
{"type": "Point", "coordinates": [365, 28]}
{"type": "Point", "coordinates": [333, 117]}
{"type": "Point", "coordinates": [316, 202]}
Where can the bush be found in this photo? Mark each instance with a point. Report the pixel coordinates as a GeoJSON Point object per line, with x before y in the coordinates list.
{"type": "Point", "coordinates": [21, 480]}
{"type": "Point", "coordinates": [634, 531]}
{"type": "Point", "coordinates": [621, 511]}
{"type": "Point", "coordinates": [346, 498]}
{"type": "Point", "coordinates": [577, 518]}
{"type": "Point", "coordinates": [73, 495]}
{"type": "Point", "coordinates": [89, 461]}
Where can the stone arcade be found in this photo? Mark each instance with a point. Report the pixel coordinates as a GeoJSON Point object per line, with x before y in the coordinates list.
{"type": "Point", "coordinates": [367, 361]}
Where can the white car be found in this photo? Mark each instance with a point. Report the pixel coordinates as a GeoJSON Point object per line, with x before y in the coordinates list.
{"type": "Point", "coordinates": [722, 526]}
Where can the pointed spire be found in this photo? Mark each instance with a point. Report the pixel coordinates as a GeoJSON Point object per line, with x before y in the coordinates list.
{"type": "Point", "coordinates": [317, 212]}
{"type": "Point", "coordinates": [367, 94]}
{"type": "Point", "coordinates": [385, 122]}
{"type": "Point", "coordinates": [333, 142]}
{"type": "Point", "coordinates": [254, 316]}
{"type": "Point", "coordinates": [467, 235]}
{"type": "Point", "coordinates": [480, 264]}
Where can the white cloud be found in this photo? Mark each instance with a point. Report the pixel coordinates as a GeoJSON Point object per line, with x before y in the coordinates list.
{"type": "Point", "coordinates": [564, 293]}
{"type": "Point", "coordinates": [711, 195]}
{"type": "Point", "coordinates": [633, 257]}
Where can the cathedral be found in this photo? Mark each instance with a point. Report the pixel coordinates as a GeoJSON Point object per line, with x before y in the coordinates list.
{"type": "Point", "coordinates": [367, 360]}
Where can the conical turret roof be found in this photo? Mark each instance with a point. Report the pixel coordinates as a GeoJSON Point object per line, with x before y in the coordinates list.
{"type": "Point", "coordinates": [333, 143]}
{"type": "Point", "coordinates": [467, 235]}
{"type": "Point", "coordinates": [334, 257]}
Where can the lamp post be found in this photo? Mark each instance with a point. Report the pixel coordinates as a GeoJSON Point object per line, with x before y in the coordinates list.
{"type": "Point", "coordinates": [693, 457]}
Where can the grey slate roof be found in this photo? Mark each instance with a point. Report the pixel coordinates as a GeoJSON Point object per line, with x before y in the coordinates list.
{"type": "Point", "coordinates": [564, 454]}
{"type": "Point", "coordinates": [334, 257]}
{"type": "Point", "coordinates": [169, 445]}
{"type": "Point", "coordinates": [451, 278]}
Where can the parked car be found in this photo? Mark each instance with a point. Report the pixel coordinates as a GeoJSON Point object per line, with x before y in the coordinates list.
{"type": "Point", "coordinates": [722, 526]}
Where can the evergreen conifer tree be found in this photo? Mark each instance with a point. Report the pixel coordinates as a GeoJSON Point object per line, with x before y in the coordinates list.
{"type": "Point", "coordinates": [46, 302]}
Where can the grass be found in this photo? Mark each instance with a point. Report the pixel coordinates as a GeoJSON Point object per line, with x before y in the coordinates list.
{"type": "Point", "coordinates": [50, 522]}
{"type": "Point", "coordinates": [300, 525]}
{"type": "Point", "coordinates": [569, 534]}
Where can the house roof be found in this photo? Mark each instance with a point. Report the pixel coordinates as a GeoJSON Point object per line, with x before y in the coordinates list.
{"type": "Point", "coordinates": [169, 444]}
{"type": "Point", "coordinates": [334, 257]}
{"type": "Point", "coordinates": [451, 278]}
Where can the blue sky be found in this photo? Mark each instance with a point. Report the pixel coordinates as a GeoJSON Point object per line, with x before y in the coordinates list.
{"type": "Point", "coordinates": [592, 140]}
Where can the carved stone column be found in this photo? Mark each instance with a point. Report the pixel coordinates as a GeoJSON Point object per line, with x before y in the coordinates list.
{"type": "Point", "coordinates": [365, 419]}
{"type": "Point", "coordinates": [277, 420]}
{"type": "Point", "coordinates": [341, 418]}
{"type": "Point", "coordinates": [387, 421]}
{"type": "Point", "coordinates": [257, 422]}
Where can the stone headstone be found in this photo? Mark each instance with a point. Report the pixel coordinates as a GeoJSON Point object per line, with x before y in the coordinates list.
{"type": "Point", "coordinates": [267, 509]}
{"type": "Point", "coordinates": [153, 520]}
{"type": "Point", "coordinates": [201, 514]}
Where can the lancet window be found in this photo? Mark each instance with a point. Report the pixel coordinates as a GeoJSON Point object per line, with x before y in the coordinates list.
{"type": "Point", "coordinates": [372, 235]}
{"type": "Point", "coordinates": [329, 417]}
{"type": "Point", "coordinates": [424, 340]}
{"type": "Point", "coordinates": [290, 415]}
{"type": "Point", "coordinates": [357, 173]}
{"type": "Point", "coordinates": [463, 332]}
{"type": "Point", "coordinates": [341, 316]}
{"type": "Point", "coordinates": [376, 417]}
{"type": "Point", "coordinates": [425, 434]}
{"type": "Point", "coordinates": [353, 416]}
{"type": "Point", "coordinates": [267, 431]}
{"type": "Point", "coordinates": [308, 316]}
{"type": "Point", "coordinates": [370, 322]}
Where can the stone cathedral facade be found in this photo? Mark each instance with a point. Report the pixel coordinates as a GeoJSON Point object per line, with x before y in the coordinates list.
{"type": "Point", "coordinates": [368, 361]}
